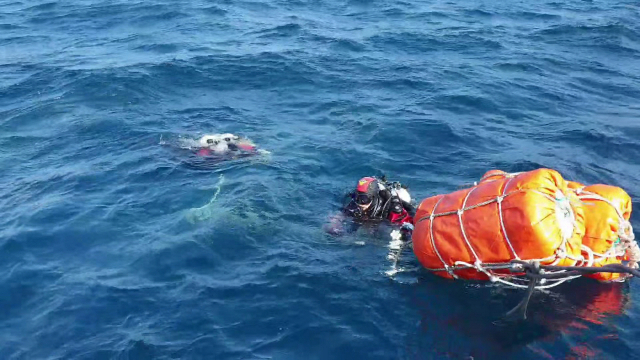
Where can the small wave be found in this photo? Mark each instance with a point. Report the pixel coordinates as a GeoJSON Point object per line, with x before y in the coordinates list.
{"type": "Point", "coordinates": [405, 83]}
{"type": "Point", "coordinates": [478, 13]}
{"type": "Point", "coordinates": [604, 69]}
{"type": "Point", "coordinates": [407, 42]}
{"type": "Point", "coordinates": [429, 15]}
{"type": "Point", "coordinates": [261, 70]}
{"type": "Point", "coordinates": [214, 10]}
{"type": "Point", "coordinates": [281, 31]}
{"type": "Point", "coordinates": [518, 165]}
{"type": "Point", "coordinates": [26, 39]}
{"type": "Point", "coordinates": [607, 89]}
{"type": "Point", "coordinates": [570, 31]}
{"type": "Point", "coordinates": [394, 12]}
{"type": "Point", "coordinates": [335, 43]}
{"type": "Point", "coordinates": [10, 27]}
{"type": "Point", "coordinates": [462, 103]}
{"type": "Point", "coordinates": [256, 5]}
{"type": "Point", "coordinates": [220, 111]}
{"type": "Point", "coordinates": [165, 16]}
{"type": "Point", "coordinates": [418, 42]}
{"type": "Point", "coordinates": [520, 67]}
{"type": "Point", "coordinates": [102, 16]}
{"type": "Point", "coordinates": [528, 15]}
{"type": "Point", "coordinates": [12, 3]}
{"type": "Point", "coordinates": [159, 48]}
{"type": "Point", "coordinates": [133, 349]}
{"type": "Point", "coordinates": [361, 3]}
{"type": "Point", "coordinates": [615, 47]}
{"type": "Point", "coordinates": [50, 15]}
{"type": "Point", "coordinates": [32, 117]}
{"type": "Point", "coordinates": [348, 45]}
{"type": "Point", "coordinates": [556, 4]}
{"type": "Point", "coordinates": [42, 7]}
{"type": "Point", "coordinates": [597, 142]}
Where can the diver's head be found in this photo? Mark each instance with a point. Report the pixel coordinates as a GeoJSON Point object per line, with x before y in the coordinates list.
{"type": "Point", "coordinates": [367, 192]}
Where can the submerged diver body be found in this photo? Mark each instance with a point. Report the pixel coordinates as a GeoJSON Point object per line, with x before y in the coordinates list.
{"type": "Point", "coordinates": [210, 150]}
{"type": "Point", "coordinates": [224, 145]}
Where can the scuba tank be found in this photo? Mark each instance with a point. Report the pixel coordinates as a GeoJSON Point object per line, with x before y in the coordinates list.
{"type": "Point", "coordinates": [401, 192]}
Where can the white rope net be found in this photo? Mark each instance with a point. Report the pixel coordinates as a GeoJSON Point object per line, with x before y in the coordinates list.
{"type": "Point", "coordinates": [566, 220]}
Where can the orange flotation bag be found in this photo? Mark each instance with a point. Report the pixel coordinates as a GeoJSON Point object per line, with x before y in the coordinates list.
{"type": "Point", "coordinates": [607, 213]}
{"type": "Point", "coordinates": [474, 233]}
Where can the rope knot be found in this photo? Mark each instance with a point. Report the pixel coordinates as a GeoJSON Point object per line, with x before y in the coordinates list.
{"type": "Point", "coordinates": [626, 230]}
{"type": "Point", "coordinates": [450, 271]}
{"type": "Point", "coordinates": [561, 253]}
{"type": "Point", "coordinates": [536, 266]}
{"type": "Point", "coordinates": [515, 267]}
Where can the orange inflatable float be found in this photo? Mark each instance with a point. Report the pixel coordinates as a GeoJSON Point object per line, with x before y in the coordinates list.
{"type": "Point", "coordinates": [535, 216]}
{"type": "Point", "coordinates": [608, 231]}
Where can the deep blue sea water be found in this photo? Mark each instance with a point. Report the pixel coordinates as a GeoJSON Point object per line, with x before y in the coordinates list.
{"type": "Point", "coordinates": [99, 261]}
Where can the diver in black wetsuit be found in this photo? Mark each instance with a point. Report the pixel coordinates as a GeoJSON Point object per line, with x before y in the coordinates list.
{"type": "Point", "coordinates": [375, 201]}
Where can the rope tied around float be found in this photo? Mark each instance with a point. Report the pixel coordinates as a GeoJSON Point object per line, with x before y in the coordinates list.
{"type": "Point", "coordinates": [624, 244]}
{"type": "Point", "coordinates": [569, 260]}
{"type": "Point", "coordinates": [535, 273]}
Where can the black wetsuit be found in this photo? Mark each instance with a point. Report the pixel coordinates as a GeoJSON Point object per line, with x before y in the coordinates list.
{"type": "Point", "coordinates": [384, 207]}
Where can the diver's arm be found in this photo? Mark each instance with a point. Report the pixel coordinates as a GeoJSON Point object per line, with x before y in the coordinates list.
{"type": "Point", "coordinates": [335, 225]}
{"type": "Point", "coordinates": [341, 224]}
{"type": "Point", "coordinates": [410, 208]}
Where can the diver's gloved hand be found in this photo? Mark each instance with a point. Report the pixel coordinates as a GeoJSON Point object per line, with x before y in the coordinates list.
{"type": "Point", "coordinates": [406, 230]}
{"type": "Point", "coordinates": [407, 226]}
{"type": "Point", "coordinates": [402, 234]}
{"type": "Point", "coordinates": [335, 226]}
{"type": "Point", "coordinates": [334, 230]}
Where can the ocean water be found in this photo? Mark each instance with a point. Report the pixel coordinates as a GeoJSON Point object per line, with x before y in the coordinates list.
{"type": "Point", "coordinates": [112, 245]}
